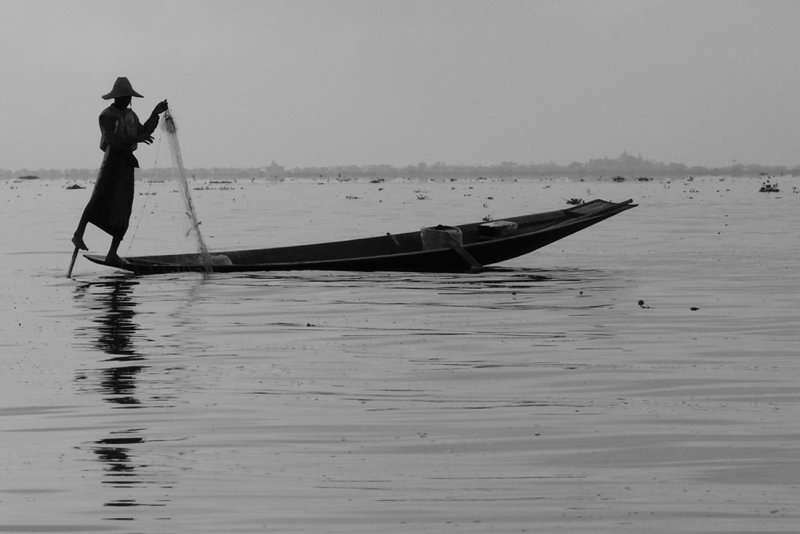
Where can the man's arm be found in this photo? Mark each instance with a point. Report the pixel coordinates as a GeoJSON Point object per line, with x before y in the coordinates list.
{"type": "Point", "coordinates": [151, 123]}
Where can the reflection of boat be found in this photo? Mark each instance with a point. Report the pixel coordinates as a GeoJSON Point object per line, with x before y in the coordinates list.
{"type": "Point", "coordinates": [467, 247]}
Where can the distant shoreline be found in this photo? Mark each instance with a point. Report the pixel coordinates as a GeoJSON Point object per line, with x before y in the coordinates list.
{"type": "Point", "coordinates": [629, 167]}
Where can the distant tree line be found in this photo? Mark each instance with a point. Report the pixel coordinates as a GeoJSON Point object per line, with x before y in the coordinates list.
{"type": "Point", "coordinates": [625, 165]}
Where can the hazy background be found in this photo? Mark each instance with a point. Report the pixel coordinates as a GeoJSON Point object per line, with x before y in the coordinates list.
{"type": "Point", "coordinates": [400, 82]}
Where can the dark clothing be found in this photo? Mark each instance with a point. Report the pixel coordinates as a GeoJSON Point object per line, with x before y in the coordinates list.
{"type": "Point", "coordinates": [109, 208]}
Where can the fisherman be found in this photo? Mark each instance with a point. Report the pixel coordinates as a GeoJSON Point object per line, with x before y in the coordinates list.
{"type": "Point", "coordinates": [109, 207]}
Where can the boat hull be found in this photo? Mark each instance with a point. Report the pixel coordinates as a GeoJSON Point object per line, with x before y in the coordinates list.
{"type": "Point", "coordinates": [393, 252]}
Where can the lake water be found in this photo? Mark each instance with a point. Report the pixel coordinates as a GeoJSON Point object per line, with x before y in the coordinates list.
{"type": "Point", "coordinates": [540, 396]}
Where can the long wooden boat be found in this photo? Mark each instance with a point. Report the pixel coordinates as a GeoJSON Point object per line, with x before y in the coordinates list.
{"type": "Point", "coordinates": [463, 248]}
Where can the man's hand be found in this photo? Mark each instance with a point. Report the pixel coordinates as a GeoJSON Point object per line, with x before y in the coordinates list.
{"type": "Point", "coordinates": [161, 107]}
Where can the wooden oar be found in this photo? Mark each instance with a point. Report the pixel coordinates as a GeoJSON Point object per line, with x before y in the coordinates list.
{"type": "Point", "coordinates": [469, 259]}
{"type": "Point", "coordinates": [72, 262]}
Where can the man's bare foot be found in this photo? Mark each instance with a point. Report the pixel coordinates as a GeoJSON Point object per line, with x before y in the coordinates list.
{"type": "Point", "coordinates": [78, 242]}
{"type": "Point", "coordinates": [113, 259]}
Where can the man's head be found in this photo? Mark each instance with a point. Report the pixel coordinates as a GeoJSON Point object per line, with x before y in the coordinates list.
{"type": "Point", "coordinates": [122, 102]}
{"type": "Point", "coordinates": [122, 89]}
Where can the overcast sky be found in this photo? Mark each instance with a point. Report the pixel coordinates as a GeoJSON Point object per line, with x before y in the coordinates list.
{"type": "Point", "coordinates": [338, 82]}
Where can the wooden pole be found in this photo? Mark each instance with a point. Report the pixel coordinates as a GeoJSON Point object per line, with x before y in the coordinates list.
{"type": "Point", "coordinates": [72, 262]}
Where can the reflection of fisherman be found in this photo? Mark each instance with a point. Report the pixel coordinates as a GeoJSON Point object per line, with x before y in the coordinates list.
{"type": "Point", "coordinates": [109, 208]}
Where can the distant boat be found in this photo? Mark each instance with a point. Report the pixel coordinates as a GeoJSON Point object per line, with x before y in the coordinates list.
{"type": "Point", "coordinates": [464, 248]}
{"type": "Point", "coordinates": [768, 187]}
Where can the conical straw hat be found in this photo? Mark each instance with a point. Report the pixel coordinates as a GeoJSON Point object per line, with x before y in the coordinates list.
{"type": "Point", "coordinates": [122, 87]}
